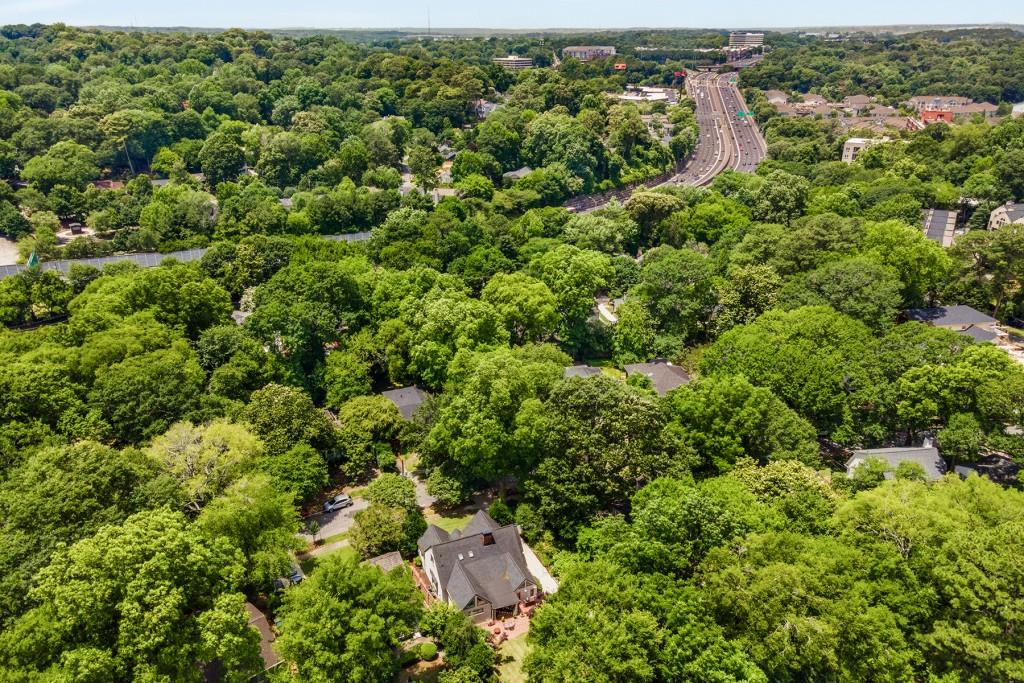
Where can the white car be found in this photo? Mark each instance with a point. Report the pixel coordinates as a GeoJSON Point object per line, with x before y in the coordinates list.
{"type": "Point", "coordinates": [338, 502]}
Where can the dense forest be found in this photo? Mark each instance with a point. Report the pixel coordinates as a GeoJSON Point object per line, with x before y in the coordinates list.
{"type": "Point", "coordinates": [985, 65]}
{"type": "Point", "coordinates": [157, 457]}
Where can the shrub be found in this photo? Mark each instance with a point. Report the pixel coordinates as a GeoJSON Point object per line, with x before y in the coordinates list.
{"type": "Point", "coordinates": [501, 512]}
{"type": "Point", "coordinates": [427, 652]}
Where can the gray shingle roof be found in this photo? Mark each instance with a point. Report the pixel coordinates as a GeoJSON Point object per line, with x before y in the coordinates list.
{"type": "Point", "coordinates": [432, 536]}
{"type": "Point", "coordinates": [978, 334]}
{"type": "Point", "coordinates": [926, 456]}
{"type": "Point", "coordinates": [581, 371]}
{"type": "Point", "coordinates": [407, 399]}
{"type": "Point", "coordinates": [471, 564]}
{"type": "Point", "coordinates": [663, 375]}
{"type": "Point", "coordinates": [950, 316]}
{"type": "Point", "coordinates": [387, 561]}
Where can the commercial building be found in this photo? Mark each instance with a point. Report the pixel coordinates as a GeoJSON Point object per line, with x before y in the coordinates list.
{"type": "Point", "coordinates": [514, 62]}
{"type": "Point", "coordinates": [585, 53]}
{"type": "Point", "coordinates": [744, 39]}
{"type": "Point", "coordinates": [854, 146]}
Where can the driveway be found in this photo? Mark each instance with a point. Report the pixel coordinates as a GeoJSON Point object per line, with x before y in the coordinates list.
{"type": "Point", "coordinates": [539, 571]}
{"type": "Point", "coordinates": [334, 523]}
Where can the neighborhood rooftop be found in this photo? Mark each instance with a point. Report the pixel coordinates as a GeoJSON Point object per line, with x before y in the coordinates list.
{"type": "Point", "coordinates": [950, 316]}
{"type": "Point", "coordinates": [664, 375]}
{"type": "Point", "coordinates": [407, 399]}
{"type": "Point", "coordinates": [926, 456]}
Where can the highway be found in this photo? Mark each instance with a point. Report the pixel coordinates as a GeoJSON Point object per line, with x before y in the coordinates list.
{"type": "Point", "coordinates": [727, 140]}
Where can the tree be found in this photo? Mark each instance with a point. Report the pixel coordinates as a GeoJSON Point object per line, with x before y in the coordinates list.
{"type": "Point", "coordinates": [346, 376]}
{"type": "Point", "coordinates": [143, 395]}
{"type": "Point", "coordinates": [12, 223]}
{"type": "Point", "coordinates": [131, 600]}
{"type": "Point", "coordinates": [726, 418]}
{"type": "Point", "coordinates": [343, 622]}
{"type": "Point", "coordinates": [204, 461]}
{"type": "Point", "coordinates": [780, 198]}
{"type": "Point", "coordinates": [366, 427]}
{"type": "Point", "coordinates": [746, 293]}
{"type": "Point", "coordinates": [858, 287]}
{"type": "Point", "coordinates": [221, 158]}
{"type": "Point", "coordinates": [813, 358]}
{"type": "Point", "coordinates": [487, 428]}
{"type": "Point", "coordinates": [65, 163]}
{"type": "Point", "coordinates": [677, 287]}
{"type": "Point", "coordinates": [258, 521]}
{"type": "Point", "coordinates": [40, 515]}
{"type": "Point", "coordinates": [527, 307]}
{"type": "Point", "coordinates": [600, 442]}
{"type": "Point", "coordinates": [285, 416]}
{"type": "Point", "coordinates": [300, 470]}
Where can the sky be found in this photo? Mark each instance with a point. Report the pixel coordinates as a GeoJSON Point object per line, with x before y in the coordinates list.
{"type": "Point", "coordinates": [508, 14]}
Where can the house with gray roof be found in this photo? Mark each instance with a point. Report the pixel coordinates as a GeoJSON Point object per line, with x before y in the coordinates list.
{"type": "Point", "coordinates": [926, 456]}
{"type": "Point", "coordinates": [963, 319]}
{"type": "Point", "coordinates": [387, 561]}
{"type": "Point", "coordinates": [407, 399]}
{"type": "Point", "coordinates": [581, 371]}
{"type": "Point", "coordinates": [480, 569]}
{"type": "Point", "coordinates": [1006, 214]}
{"type": "Point", "coordinates": [664, 375]}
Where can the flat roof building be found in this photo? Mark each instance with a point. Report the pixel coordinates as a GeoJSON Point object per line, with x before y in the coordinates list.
{"type": "Point", "coordinates": [854, 146]}
{"type": "Point", "coordinates": [585, 53]}
{"type": "Point", "coordinates": [514, 62]}
{"type": "Point", "coordinates": [743, 39]}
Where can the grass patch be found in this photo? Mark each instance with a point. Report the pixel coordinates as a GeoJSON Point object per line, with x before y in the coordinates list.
{"type": "Point", "coordinates": [334, 538]}
{"type": "Point", "coordinates": [310, 563]}
{"type": "Point", "coordinates": [513, 654]}
{"type": "Point", "coordinates": [450, 522]}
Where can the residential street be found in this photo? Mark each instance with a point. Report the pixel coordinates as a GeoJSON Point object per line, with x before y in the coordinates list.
{"type": "Point", "coordinates": [334, 523]}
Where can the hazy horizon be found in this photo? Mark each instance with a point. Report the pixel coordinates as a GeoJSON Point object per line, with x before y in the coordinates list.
{"type": "Point", "coordinates": [583, 15]}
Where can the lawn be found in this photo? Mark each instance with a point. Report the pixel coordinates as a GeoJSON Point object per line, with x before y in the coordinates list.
{"type": "Point", "coordinates": [310, 563]}
{"type": "Point", "coordinates": [513, 652]}
{"type": "Point", "coordinates": [450, 522]}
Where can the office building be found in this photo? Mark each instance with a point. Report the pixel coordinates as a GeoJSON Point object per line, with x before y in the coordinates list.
{"type": "Point", "coordinates": [514, 62]}
{"type": "Point", "coordinates": [585, 53]}
{"type": "Point", "coordinates": [743, 39]}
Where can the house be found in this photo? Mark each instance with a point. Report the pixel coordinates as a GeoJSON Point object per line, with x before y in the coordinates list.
{"type": "Point", "coordinates": [510, 177]}
{"type": "Point", "coordinates": [857, 102]}
{"type": "Point", "coordinates": [664, 376]}
{"type": "Point", "coordinates": [1006, 214]}
{"type": "Point", "coordinates": [925, 456]}
{"type": "Point", "coordinates": [939, 226]}
{"type": "Point", "coordinates": [480, 570]}
{"type": "Point", "coordinates": [387, 561]}
{"type": "Point", "coordinates": [776, 97]}
{"type": "Point", "coordinates": [937, 102]}
{"type": "Point", "coordinates": [407, 399]}
{"type": "Point", "coordinates": [962, 319]}
{"type": "Point", "coordinates": [997, 467]}
{"type": "Point", "coordinates": [258, 621]}
{"type": "Point", "coordinates": [581, 371]}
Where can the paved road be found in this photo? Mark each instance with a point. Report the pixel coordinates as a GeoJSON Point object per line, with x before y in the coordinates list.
{"type": "Point", "coordinates": [337, 522]}
{"type": "Point", "coordinates": [749, 148]}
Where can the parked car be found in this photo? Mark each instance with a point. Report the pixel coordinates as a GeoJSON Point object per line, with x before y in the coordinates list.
{"type": "Point", "coordinates": [337, 503]}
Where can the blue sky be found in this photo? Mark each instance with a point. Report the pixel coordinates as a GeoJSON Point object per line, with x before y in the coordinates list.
{"type": "Point", "coordinates": [508, 14]}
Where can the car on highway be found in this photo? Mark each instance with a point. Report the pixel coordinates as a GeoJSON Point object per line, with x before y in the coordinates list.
{"type": "Point", "coordinates": [339, 502]}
